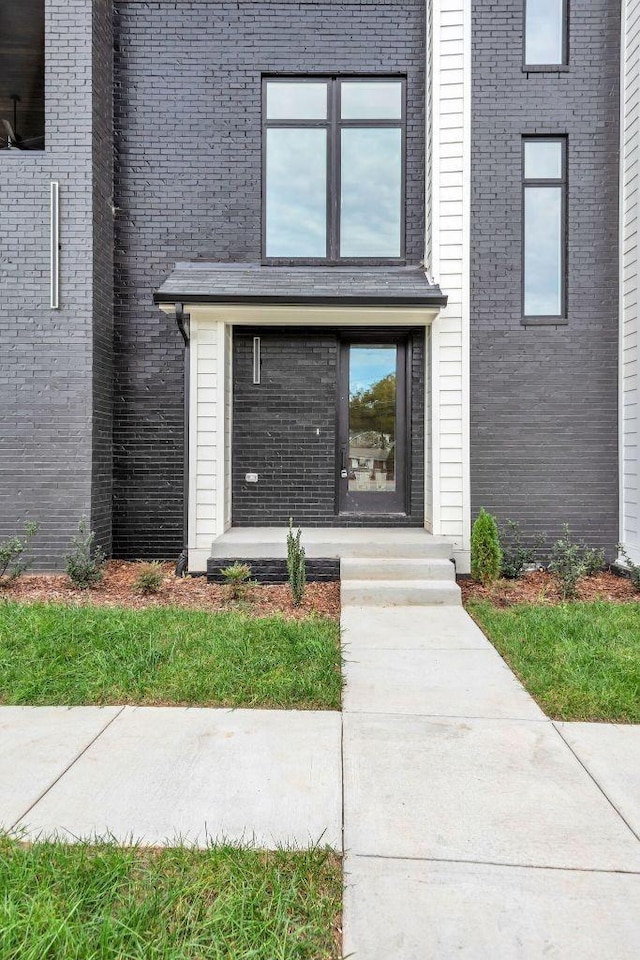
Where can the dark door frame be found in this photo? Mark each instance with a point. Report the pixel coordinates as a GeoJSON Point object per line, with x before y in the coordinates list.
{"type": "Point", "coordinates": [370, 505]}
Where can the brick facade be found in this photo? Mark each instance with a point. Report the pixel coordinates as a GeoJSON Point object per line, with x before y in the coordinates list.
{"type": "Point", "coordinates": [188, 174]}
{"type": "Point", "coordinates": [55, 379]}
{"type": "Point", "coordinates": [544, 441]}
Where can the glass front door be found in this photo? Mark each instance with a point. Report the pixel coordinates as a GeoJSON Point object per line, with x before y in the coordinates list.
{"type": "Point", "coordinates": [372, 428]}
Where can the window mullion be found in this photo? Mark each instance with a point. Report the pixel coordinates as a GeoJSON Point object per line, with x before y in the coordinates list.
{"type": "Point", "coordinates": [333, 180]}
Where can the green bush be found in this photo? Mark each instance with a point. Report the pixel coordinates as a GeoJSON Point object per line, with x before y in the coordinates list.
{"type": "Point", "coordinates": [486, 555]}
{"type": "Point", "coordinates": [633, 568]}
{"type": "Point", "coordinates": [571, 561]}
{"type": "Point", "coordinates": [237, 577]}
{"type": "Point", "coordinates": [85, 563]}
{"type": "Point", "coordinates": [517, 556]}
{"type": "Point", "coordinates": [11, 562]}
{"type": "Point", "coordinates": [149, 578]}
{"type": "Point", "coordinates": [593, 561]}
{"type": "Point", "coordinates": [296, 564]}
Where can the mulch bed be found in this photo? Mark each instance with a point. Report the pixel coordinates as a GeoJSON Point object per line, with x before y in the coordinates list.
{"type": "Point", "coordinates": [541, 587]}
{"type": "Point", "coordinates": [188, 593]}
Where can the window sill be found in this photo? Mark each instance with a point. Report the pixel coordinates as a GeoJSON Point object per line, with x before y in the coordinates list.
{"type": "Point", "coordinates": [546, 68]}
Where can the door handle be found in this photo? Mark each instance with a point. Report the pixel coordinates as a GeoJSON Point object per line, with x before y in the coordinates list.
{"type": "Point", "coordinates": [343, 464]}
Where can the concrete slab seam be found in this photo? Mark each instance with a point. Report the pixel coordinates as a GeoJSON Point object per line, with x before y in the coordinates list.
{"type": "Point", "coordinates": [491, 863]}
{"type": "Point", "coordinates": [593, 779]}
{"type": "Point", "coordinates": [443, 716]}
{"type": "Point", "coordinates": [67, 768]}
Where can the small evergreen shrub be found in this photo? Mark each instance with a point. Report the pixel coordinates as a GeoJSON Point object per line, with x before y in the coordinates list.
{"type": "Point", "coordinates": [567, 563]}
{"type": "Point", "coordinates": [633, 568]}
{"type": "Point", "coordinates": [571, 561]}
{"type": "Point", "coordinates": [85, 563]}
{"type": "Point", "coordinates": [296, 564]}
{"type": "Point", "coordinates": [593, 561]}
{"type": "Point", "coordinates": [237, 578]}
{"type": "Point", "coordinates": [149, 578]}
{"type": "Point", "coordinates": [517, 556]}
{"type": "Point", "coordinates": [11, 562]}
{"type": "Point", "coordinates": [486, 555]}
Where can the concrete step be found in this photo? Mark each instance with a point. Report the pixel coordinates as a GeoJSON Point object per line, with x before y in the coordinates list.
{"type": "Point", "coordinates": [246, 543]}
{"type": "Point", "coordinates": [395, 593]}
{"type": "Point", "coordinates": [396, 568]}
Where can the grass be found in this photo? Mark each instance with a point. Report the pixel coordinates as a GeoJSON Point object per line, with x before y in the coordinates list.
{"type": "Point", "coordinates": [55, 654]}
{"type": "Point", "coordinates": [83, 902]}
{"type": "Point", "coordinates": [581, 661]}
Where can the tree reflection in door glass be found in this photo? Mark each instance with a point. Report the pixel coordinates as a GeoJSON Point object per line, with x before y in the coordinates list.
{"type": "Point", "coordinates": [372, 419]}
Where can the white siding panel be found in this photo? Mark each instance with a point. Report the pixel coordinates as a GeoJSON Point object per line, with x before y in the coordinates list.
{"type": "Point", "coordinates": [207, 438]}
{"type": "Point", "coordinates": [448, 110]}
{"type": "Point", "coordinates": [629, 339]}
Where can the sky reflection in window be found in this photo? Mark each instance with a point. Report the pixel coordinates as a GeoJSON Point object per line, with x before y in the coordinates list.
{"type": "Point", "coordinates": [543, 252]}
{"type": "Point", "coordinates": [371, 188]}
{"type": "Point", "coordinates": [296, 196]}
{"type": "Point", "coordinates": [544, 32]}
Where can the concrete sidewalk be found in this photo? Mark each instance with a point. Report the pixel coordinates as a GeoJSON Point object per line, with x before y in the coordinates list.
{"type": "Point", "coordinates": [474, 827]}
{"type": "Point", "coordinates": [165, 775]}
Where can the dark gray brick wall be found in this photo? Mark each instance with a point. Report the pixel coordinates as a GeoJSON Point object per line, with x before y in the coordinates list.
{"type": "Point", "coordinates": [275, 570]}
{"type": "Point", "coordinates": [275, 426]}
{"type": "Point", "coordinates": [544, 399]}
{"type": "Point", "coordinates": [102, 200]}
{"type": "Point", "coordinates": [188, 130]}
{"type": "Point", "coordinates": [48, 361]}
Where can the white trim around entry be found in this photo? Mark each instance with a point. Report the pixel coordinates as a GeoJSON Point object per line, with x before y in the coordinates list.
{"type": "Point", "coordinates": [210, 402]}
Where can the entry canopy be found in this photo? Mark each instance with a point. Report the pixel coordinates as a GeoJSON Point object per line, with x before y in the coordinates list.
{"type": "Point", "coordinates": [201, 282]}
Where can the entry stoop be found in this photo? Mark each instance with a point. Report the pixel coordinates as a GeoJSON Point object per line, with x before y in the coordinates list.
{"type": "Point", "coordinates": [392, 581]}
{"type": "Point", "coordinates": [381, 566]}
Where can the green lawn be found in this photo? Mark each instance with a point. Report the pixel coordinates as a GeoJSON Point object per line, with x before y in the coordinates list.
{"type": "Point", "coordinates": [56, 654]}
{"type": "Point", "coordinates": [82, 902]}
{"type": "Point", "coordinates": [581, 661]}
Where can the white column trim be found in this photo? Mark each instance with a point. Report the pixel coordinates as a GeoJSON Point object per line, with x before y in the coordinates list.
{"type": "Point", "coordinates": [193, 437]}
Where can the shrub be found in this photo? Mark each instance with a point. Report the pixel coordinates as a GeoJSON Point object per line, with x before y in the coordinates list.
{"type": "Point", "coordinates": [516, 555]}
{"type": "Point", "coordinates": [85, 563]}
{"type": "Point", "coordinates": [237, 577]}
{"type": "Point", "coordinates": [593, 561]}
{"type": "Point", "coordinates": [149, 578]}
{"type": "Point", "coordinates": [633, 568]}
{"type": "Point", "coordinates": [11, 562]}
{"type": "Point", "coordinates": [571, 561]}
{"type": "Point", "coordinates": [296, 564]}
{"type": "Point", "coordinates": [486, 555]}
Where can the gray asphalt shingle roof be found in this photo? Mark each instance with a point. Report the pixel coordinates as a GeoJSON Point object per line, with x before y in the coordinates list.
{"type": "Point", "coordinates": [202, 282]}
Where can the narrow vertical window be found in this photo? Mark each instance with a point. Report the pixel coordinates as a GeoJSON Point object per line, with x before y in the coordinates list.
{"type": "Point", "coordinates": [22, 74]}
{"type": "Point", "coordinates": [544, 218]}
{"type": "Point", "coordinates": [546, 33]}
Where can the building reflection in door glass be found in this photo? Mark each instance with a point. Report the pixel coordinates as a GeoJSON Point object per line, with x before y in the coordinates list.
{"type": "Point", "coordinates": [372, 419]}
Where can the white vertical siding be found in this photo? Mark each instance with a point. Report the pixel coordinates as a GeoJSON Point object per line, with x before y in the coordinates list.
{"type": "Point", "coordinates": [447, 246]}
{"type": "Point", "coordinates": [228, 421]}
{"type": "Point", "coordinates": [207, 471]}
{"type": "Point", "coordinates": [629, 327]}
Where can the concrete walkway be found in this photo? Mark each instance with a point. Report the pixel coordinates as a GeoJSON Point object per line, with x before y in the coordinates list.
{"type": "Point", "coordinates": [474, 827]}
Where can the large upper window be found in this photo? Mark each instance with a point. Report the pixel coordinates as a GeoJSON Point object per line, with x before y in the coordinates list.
{"type": "Point", "coordinates": [333, 169]}
{"type": "Point", "coordinates": [545, 33]}
{"type": "Point", "coordinates": [545, 191]}
{"type": "Point", "coordinates": [22, 74]}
